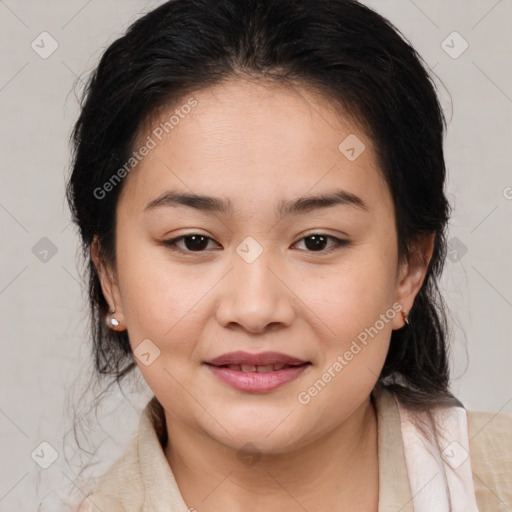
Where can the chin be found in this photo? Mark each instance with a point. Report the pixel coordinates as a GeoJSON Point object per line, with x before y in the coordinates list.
{"type": "Point", "coordinates": [269, 436]}
{"type": "Point", "coordinates": [260, 445]}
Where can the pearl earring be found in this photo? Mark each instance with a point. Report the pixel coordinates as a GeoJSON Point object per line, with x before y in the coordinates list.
{"type": "Point", "coordinates": [113, 321]}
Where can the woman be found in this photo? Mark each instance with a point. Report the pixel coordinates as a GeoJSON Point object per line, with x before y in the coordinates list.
{"type": "Point", "coordinates": [259, 188]}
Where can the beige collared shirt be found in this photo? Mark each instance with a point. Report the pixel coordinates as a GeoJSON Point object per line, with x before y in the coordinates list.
{"type": "Point", "coordinates": [142, 480]}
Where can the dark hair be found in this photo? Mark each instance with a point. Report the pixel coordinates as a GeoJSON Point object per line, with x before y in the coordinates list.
{"type": "Point", "coordinates": [340, 48]}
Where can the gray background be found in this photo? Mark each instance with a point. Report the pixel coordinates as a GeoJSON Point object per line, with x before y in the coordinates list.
{"type": "Point", "coordinates": [45, 351]}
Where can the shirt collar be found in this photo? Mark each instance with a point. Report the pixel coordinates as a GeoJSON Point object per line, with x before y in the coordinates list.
{"type": "Point", "coordinates": [394, 490]}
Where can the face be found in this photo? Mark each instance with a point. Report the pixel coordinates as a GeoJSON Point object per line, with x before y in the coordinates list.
{"type": "Point", "coordinates": [262, 270]}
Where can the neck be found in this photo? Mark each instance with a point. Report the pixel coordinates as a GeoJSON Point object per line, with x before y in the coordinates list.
{"type": "Point", "coordinates": [331, 473]}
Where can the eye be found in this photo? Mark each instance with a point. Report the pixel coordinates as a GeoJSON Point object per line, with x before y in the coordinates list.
{"type": "Point", "coordinates": [199, 243]}
{"type": "Point", "coordinates": [193, 243]}
{"type": "Point", "coordinates": [317, 242]}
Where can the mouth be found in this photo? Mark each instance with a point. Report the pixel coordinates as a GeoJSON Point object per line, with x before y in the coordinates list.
{"type": "Point", "coordinates": [262, 359]}
{"type": "Point", "coordinates": [251, 368]}
{"type": "Point", "coordinates": [256, 373]}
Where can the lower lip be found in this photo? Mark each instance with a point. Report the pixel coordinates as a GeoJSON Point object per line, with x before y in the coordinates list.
{"type": "Point", "coordinates": [254, 382]}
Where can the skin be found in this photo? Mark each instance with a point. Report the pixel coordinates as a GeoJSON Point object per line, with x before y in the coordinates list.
{"type": "Point", "coordinates": [257, 144]}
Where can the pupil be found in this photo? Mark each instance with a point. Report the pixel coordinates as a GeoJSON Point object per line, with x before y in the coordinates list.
{"type": "Point", "coordinates": [198, 242]}
{"type": "Point", "coordinates": [318, 242]}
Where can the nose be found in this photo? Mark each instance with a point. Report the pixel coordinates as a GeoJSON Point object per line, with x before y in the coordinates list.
{"type": "Point", "coordinates": [255, 297]}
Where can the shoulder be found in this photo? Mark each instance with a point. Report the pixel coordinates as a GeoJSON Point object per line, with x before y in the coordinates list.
{"type": "Point", "coordinates": [490, 445]}
{"type": "Point", "coordinates": [112, 492]}
{"type": "Point", "coordinates": [123, 488]}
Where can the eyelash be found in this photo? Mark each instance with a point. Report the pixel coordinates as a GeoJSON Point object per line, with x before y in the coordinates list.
{"type": "Point", "coordinates": [339, 243]}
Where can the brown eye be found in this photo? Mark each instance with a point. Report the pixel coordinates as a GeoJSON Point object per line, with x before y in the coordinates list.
{"type": "Point", "coordinates": [196, 242]}
{"type": "Point", "coordinates": [191, 243]}
{"type": "Point", "coordinates": [318, 242]}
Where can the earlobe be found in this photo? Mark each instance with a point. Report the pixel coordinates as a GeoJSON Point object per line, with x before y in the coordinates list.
{"type": "Point", "coordinates": [405, 317]}
{"type": "Point", "coordinates": [110, 289]}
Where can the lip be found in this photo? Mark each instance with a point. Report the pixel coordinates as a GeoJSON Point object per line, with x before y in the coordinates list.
{"type": "Point", "coordinates": [261, 359]}
{"type": "Point", "coordinates": [254, 381]}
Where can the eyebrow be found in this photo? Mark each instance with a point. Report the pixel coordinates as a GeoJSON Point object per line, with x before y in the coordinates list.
{"type": "Point", "coordinates": [298, 206]}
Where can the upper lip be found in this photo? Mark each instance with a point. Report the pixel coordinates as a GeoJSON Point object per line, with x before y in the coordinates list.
{"type": "Point", "coordinates": [262, 359]}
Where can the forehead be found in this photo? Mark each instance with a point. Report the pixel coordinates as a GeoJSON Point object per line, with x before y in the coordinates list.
{"type": "Point", "coordinates": [254, 141]}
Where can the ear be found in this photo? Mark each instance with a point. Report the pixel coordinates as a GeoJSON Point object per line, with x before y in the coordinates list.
{"type": "Point", "coordinates": [412, 274]}
{"type": "Point", "coordinates": [109, 285]}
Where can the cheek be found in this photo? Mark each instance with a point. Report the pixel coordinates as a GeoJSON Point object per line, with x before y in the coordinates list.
{"type": "Point", "coordinates": [354, 294]}
{"type": "Point", "coordinates": [356, 305]}
{"type": "Point", "coordinates": [162, 305]}
{"type": "Point", "coordinates": [157, 299]}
